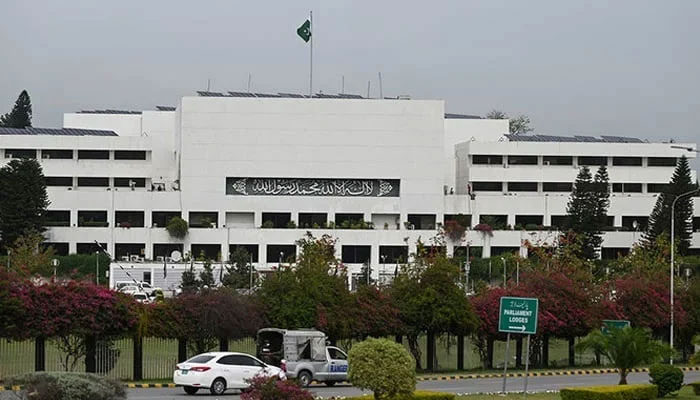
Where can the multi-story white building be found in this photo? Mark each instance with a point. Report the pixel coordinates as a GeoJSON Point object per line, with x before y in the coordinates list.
{"type": "Point", "coordinates": [259, 171]}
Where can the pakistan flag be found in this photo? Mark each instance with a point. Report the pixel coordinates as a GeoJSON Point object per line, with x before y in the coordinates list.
{"type": "Point", "coordinates": [304, 31]}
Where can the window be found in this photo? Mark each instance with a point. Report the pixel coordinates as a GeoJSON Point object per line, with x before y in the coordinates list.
{"type": "Point", "coordinates": [487, 186]}
{"type": "Point", "coordinates": [92, 219]}
{"type": "Point", "coordinates": [59, 249]}
{"type": "Point", "coordinates": [93, 182]}
{"type": "Point", "coordinates": [497, 222]}
{"type": "Point", "coordinates": [129, 249]}
{"type": "Point", "coordinates": [393, 254]}
{"type": "Point", "coordinates": [557, 186]}
{"type": "Point", "coordinates": [58, 218]}
{"type": "Point", "coordinates": [204, 219]}
{"type": "Point", "coordinates": [127, 182]}
{"type": "Point", "coordinates": [242, 360]}
{"type": "Point", "coordinates": [89, 248]}
{"type": "Point", "coordinates": [558, 160]}
{"type": "Point", "coordinates": [527, 221]}
{"type": "Point", "coordinates": [487, 160]}
{"type": "Point", "coordinates": [147, 277]}
{"type": "Point", "coordinates": [206, 251]}
{"type": "Point", "coordinates": [281, 253]}
{"type": "Point", "coordinates": [696, 224]}
{"type": "Point", "coordinates": [165, 249]}
{"type": "Point", "coordinates": [640, 221]}
{"type": "Point", "coordinates": [336, 354]}
{"type": "Point", "coordinates": [593, 161]}
{"type": "Point", "coordinates": [497, 251]}
{"type": "Point", "coordinates": [276, 220]}
{"type": "Point", "coordinates": [628, 161]}
{"type": "Point", "coordinates": [200, 359]}
{"type": "Point", "coordinates": [57, 154]}
{"type": "Point", "coordinates": [627, 188]}
{"type": "Point", "coordinates": [345, 220]}
{"type": "Point", "coordinates": [558, 221]}
{"type": "Point", "coordinates": [474, 252]}
{"type": "Point", "coordinates": [161, 218]}
{"type": "Point", "coordinates": [93, 155]}
{"type": "Point", "coordinates": [20, 153]}
{"type": "Point", "coordinates": [356, 254]}
{"type": "Point", "coordinates": [522, 186]}
{"type": "Point", "coordinates": [462, 219]}
{"type": "Point", "coordinates": [129, 219]}
{"type": "Point", "coordinates": [522, 160]}
{"type": "Point", "coordinates": [226, 360]}
{"type": "Point", "coordinates": [661, 162]}
{"type": "Point", "coordinates": [129, 155]}
{"type": "Point", "coordinates": [312, 220]}
{"type": "Point", "coordinates": [422, 221]}
{"type": "Point", "coordinates": [657, 187]}
{"type": "Point", "coordinates": [58, 181]}
{"type": "Point", "coordinates": [611, 253]}
{"type": "Point", "coordinates": [251, 249]}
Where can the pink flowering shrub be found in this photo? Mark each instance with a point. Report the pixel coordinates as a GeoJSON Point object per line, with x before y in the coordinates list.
{"type": "Point", "coordinates": [271, 388]}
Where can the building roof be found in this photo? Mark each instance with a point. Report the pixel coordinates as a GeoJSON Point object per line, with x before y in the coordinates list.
{"type": "Point", "coordinates": [577, 139]}
{"type": "Point", "coordinates": [56, 132]}
{"type": "Point", "coordinates": [461, 116]}
{"type": "Point", "coordinates": [109, 112]}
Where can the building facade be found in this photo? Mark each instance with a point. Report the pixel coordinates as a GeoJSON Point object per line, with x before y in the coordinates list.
{"type": "Point", "coordinates": [258, 171]}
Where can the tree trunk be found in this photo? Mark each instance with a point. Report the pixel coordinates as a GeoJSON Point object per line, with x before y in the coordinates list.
{"type": "Point", "coordinates": [90, 354]}
{"type": "Point", "coordinates": [430, 363]}
{"type": "Point", "coordinates": [623, 376]}
{"type": "Point", "coordinates": [460, 352]}
{"type": "Point", "coordinates": [597, 359]}
{"type": "Point", "coordinates": [415, 349]}
{"type": "Point", "coordinates": [138, 358]}
{"type": "Point", "coordinates": [545, 351]}
{"type": "Point", "coordinates": [40, 354]}
{"type": "Point", "coordinates": [399, 339]}
{"type": "Point", "coordinates": [489, 353]}
{"type": "Point", "coordinates": [223, 344]}
{"type": "Point", "coordinates": [181, 350]}
{"type": "Point", "coordinates": [572, 354]}
{"type": "Point", "coordinates": [519, 352]}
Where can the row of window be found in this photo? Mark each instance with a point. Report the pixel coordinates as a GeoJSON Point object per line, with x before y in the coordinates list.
{"type": "Point", "coordinates": [67, 181]}
{"type": "Point", "coordinates": [63, 154]}
{"type": "Point", "coordinates": [488, 159]}
{"type": "Point", "coordinates": [619, 187]}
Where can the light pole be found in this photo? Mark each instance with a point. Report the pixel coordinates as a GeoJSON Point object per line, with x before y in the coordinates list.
{"type": "Point", "coordinates": [97, 267]}
{"type": "Point", "coordinates": [466, 270]}
{"type": "Point", "coordinates": [504, 271]}
{"type": "Point", "coordinates": [9, 253]}
{"type": "Point", "coordinates": [673, 246]}
{"type": "Point", "coordinates": [54, 263]}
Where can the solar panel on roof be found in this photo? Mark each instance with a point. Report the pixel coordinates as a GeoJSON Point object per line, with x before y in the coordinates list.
{"type": "Point", "coordinates": [292, 95]}
{"type": "Point", "coordinates": [349, 96]}
{"type": "Point", "coordinates": [241, 94]}
{"type": "Point", "coordinates": [210, 94]}
{"type": "Point", "coordinates": [266, 95]}
{"type": "Point", "coordinates": [56, 132]}
{"type": "Point", "coordinates": [165, 108]}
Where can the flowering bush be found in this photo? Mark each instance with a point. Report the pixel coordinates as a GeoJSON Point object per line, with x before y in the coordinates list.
{"type": "Point", "coordinates": [485, 229]}
{"type": "Point", "coordinates": [271, 388]}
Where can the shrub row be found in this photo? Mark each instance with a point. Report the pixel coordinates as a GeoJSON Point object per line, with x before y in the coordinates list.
{"type": "Point", "coordinates": [417, 395]}
{"type": "Point", "coordinates": [617, 392]}
{"type": "Point", "coordinates": [68, 386]}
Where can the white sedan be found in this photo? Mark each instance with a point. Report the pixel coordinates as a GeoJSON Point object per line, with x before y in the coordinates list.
{"type": "Point", "coordinates": [219, 371]}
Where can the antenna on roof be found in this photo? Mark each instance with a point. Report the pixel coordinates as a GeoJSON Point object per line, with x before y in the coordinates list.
{"type": "Point", "coordinates": [381, 92]}
{"type": "Point", "coordinates": [368, 89]}
{"type": "Point", "coordinates": [342, 85]}
{"type": "Point", "coordinates": [208, 84]}
{"type": "Point", "coordinates": [250, 77]}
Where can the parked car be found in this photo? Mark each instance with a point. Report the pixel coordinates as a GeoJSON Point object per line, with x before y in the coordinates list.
{"type": "Point", "coordinates": [142, 298]}
{"type": "Point", "coordinates": [140, 286]}
{"type": "Point", "coordinates": [303, 355]}
{"type": "Point", "coordinates": [129, 289]}
{"type": "Point", "coordinates": [220, 371]}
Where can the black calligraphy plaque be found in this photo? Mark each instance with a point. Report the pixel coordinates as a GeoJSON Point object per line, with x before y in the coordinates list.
{"type": "Point", "coordinates": [341, 187]}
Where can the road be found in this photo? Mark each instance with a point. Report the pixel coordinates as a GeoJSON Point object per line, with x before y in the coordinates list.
{"type": "Point", "coordinates": [455, 386]}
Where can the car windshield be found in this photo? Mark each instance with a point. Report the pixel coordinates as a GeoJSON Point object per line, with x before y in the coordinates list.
{"type": "Point", "coordinates": [201, 359]}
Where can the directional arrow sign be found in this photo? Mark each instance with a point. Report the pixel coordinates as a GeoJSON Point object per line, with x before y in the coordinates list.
{"type": "Point", "coordinates": [518, 315]}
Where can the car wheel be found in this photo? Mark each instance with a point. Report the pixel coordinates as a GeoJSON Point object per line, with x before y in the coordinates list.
{"type": "Point", "coordinates": [304, 378]}
{"type": "Point", "coordinates": [190, 389]}
{"type": "Point", "coordinates": [218, 387]}
{"type": "Point", "coordinates": [330, 383]}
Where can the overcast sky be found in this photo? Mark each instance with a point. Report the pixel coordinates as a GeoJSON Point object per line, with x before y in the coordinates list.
{"type": "Point", "coordinates": [618, 67]}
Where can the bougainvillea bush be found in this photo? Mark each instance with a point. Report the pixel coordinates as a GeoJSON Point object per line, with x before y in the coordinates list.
{"type": "Point", "coordinates": [272, 388]}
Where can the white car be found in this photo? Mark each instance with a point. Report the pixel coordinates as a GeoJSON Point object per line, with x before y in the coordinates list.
{"type": "Point", "coordinates": [219, 371]}
{"type": "Point", "coordinates": [142, 298]}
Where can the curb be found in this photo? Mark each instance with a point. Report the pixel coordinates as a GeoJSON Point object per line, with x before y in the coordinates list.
{"type": "Point", "coordinates": [542, 373]}
{"type": "Point", "coordinates": [149, 385]}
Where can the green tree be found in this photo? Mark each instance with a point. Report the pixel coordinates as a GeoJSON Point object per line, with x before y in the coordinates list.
{"type": "Point", "coordinates": [206, 277]}
{"type": "Point", "coordinates": [23, 200]}
{"type": "Point", "coordinates": [21, 114]}
{"type": "Point", "coordinates": [189, 282]}
{"type": "Point", "coordinates": [626, 348]}
{"type": "Point", "coordinates": [587, 210]}
{"type": "Point", "coordinates": [239, 269]}
{"type": "Point", "coordinates": [177, 227]}
{"type": "Point", "coordinates": [382, 366]}
{"type": "Point", "coordinates": [519, 125]}
{"type": "Point", "coordinates": [28, 256]}
{"type": "Point", "coordinates": [660, 218]}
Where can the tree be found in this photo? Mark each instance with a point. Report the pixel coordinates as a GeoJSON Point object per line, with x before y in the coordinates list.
{"type": "Point", "coordinates": [23, 200]}
{"type": "Point", "coordinates": [375, 313]}
{"type": "Point", "coordinates": [206, 277]}
{"type": "Point", "coordinates": [29, 258]}
{"type": "Point", "coordinates": [21, 114]}
{"type": "Point", "coordinates": [177, 227]}
{"type": "Point", "coordinates": [519, 125]}
{"type": "Point", "coordinates": [660, 218]}
{"type": "Point", "coordinates": [239, 270]}
{"type": "Point", "coordinates": [382, 366]}
{"type": "Point", "coordinates": [587, 210]}
{"type": "Point", "coordinates": [189, 282]}
{"type": "Point", "coordinates": [626, 348]}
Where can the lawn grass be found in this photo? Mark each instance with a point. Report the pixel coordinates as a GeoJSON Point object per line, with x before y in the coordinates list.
{"type": "Point", "coordinates": [686, 393]}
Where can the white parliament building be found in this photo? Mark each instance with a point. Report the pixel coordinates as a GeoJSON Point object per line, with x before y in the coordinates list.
{"type": "Point", "coordinates": [259, 170]}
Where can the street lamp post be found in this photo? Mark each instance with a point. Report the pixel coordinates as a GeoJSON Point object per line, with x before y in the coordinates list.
{"type": "Point", "coordinates": [673, 247]}
{"type": "Point", "coordinates": [97, 267]}
{"type": "Point", "coordinates": [504, 271]}
{"type": "Point", "coordinates": [54, 264]}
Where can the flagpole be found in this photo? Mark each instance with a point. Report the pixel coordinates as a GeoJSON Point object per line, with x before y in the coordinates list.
{"type": "Point", "coordinates": [311, 54]}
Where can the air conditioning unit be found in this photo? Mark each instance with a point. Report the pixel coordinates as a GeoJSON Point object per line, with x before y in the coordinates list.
{"type": "Point", "coordinates": [134, 258]}
{"type": "Point", "coordinates": [160, 258]}
{"type": "Point", "coordinates": [125, 258]}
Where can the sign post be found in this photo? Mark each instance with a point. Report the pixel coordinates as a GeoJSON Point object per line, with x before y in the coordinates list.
{"type": "Point", "coordinates": [614, 324]}
{"type": "Point", "coordinates": [517, 315]}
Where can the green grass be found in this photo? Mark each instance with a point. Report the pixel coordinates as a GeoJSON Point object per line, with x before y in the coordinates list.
{"type": "Point", "coordinates": [686, 393]}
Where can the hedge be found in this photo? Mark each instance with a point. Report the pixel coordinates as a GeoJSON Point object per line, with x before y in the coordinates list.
{"type": "Point", "coordinates": [617, 392]}
{"type": "Point", "coordinates": [696, 387]}
{"type": "Point", "coordinates": [69, 386]}
{"type": "Point", "coordinates": [417, 395]}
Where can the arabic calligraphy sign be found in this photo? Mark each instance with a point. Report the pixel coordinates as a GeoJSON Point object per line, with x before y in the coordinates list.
{"type": "Point", "coordinates": [518, 315]}
{"type": "Point", "coordinates": [312, 187]}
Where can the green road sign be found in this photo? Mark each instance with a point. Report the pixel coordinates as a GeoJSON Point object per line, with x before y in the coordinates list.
{"type": "Point", "coordinates": [518, 315]}
{"type": "Point", "coordinates": [613, 323]}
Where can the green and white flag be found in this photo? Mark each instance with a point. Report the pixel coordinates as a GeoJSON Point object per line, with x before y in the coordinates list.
{"type": "Point", "coordinates": [304, 31]}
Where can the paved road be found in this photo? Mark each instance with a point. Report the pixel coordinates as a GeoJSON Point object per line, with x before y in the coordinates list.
{"type": "Point", "coordinates": [455, 386]}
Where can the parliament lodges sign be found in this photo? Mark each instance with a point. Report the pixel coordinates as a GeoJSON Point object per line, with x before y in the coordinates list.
{"type": "Point", "coordinates": [339, 187]}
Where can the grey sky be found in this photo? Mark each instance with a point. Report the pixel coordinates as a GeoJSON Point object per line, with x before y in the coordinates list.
{"type": "Point", "coordinates": [575, 67]}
